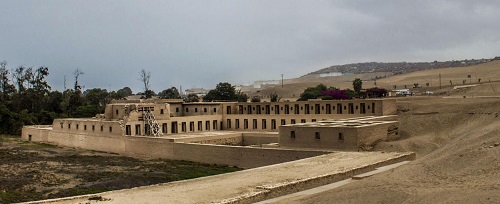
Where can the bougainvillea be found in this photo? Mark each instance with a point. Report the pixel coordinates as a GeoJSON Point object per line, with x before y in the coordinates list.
{"type": "Point", "coordinates": [336, 94]}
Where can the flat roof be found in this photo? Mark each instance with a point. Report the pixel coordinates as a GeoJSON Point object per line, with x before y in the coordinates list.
{"type": "Point", "coordinates": [344, 123]}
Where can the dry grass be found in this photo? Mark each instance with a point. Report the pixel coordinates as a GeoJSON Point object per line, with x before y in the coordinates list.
{"type": "Point", "coordinates": [487, 72]}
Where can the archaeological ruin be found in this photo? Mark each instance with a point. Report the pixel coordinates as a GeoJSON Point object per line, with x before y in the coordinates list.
{"type": "Point", "coordinates": [230, 133]}
{"type": "Point", "coordinates": [270, 135]}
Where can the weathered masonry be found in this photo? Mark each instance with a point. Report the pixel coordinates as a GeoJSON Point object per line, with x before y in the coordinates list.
{"type": "Point", "coordinates": [129, 117]}
{"type": "Point", "coordinates": [351, 134]}
{"type": "Point", "coordinates": [176, 130]}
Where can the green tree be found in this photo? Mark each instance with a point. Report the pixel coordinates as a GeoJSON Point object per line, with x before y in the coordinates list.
{"type": "Point", "coordinates": [312, 92]}
{"type": "Point", "coordinates": [53, 102]}
{"type": "Point", "coordinates": [126, 91]}
{"type": "Point", "coordinates": [114, 95]}
{"type": "Point", "coordinates": [357, 85]}
{"type": "Point", "coordinates": [5, 87]}
{"type": "Point", "coordinates": [274, 97]}
{"type": "Point", "coordinates": [7, 119]}
{"type": "Point", "coordinates": [40, 88]}
{"type": "Point", "coordinates": [96, 97]}
{"type": "Point", "coordinates": [192, 98]}
{"type": "Point", "coordinates": [170, 93]}
{"type": "Point", "coordinates": [149, 93]}
{"type": "Point", "coordinates": [210, 96]}
{"type": "Point", "coordinates": [241, 97]}
{"type": "Point", "coordinates": [255, 99]}
{"type": "Point", "coordinates": [71, 101]}
{"type": "Point", "coordinates": [86, 111]}
{"type": "Point", "coordinates": [223, 92]}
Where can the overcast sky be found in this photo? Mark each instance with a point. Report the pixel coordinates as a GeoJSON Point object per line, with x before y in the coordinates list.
{"type": "Point", "coordinates": [200, 43]}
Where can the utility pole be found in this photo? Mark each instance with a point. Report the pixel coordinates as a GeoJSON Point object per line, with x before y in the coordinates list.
{"type": "Point", "coordinates": [281, 80]}
{"type": "Point", "coordinates": [439, 80]}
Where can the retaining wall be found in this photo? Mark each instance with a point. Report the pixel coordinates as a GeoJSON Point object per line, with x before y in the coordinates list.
{"type": "Point", "coordinates": [244, 157]}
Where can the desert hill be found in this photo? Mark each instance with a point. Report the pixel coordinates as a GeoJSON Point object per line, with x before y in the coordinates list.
{"type": "Point", "coordinates": [455, 134]}
{"type": "Point", "coordinates": [457, 142]}
{"type": "Point", "coordinates": [395, 67]}
{"type": "Point", "coordinates": [480, 74]}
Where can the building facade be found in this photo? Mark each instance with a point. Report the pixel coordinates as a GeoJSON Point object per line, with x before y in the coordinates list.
{"type": "Point", "coordinates": [129, 117]}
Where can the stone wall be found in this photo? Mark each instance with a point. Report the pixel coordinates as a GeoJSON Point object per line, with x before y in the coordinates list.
{"type": "Point", "coordinates": [200, 108]}
{"type": "Point", "coordinates": [389, 107]}
{"type": "Point", "coordinates": [259, 138]}
{"type": "Point", "coordinates": [36, 133]}
{"type": "Point", "coordinates": [328, 138]}
{"type": "Point", "coordinates": [235, 139]}
{"type": "Point", "coordinates": [88, 126]}
{"type": "Point", "coordinates": [245, 157]}
{"type": "Point", "coordinates": [369, 136]}
{"type": "Point", "coordinates": [352, 135]}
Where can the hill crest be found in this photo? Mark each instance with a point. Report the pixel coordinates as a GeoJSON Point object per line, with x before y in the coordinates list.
{"type": "Point", "coordinates": [396, 67]}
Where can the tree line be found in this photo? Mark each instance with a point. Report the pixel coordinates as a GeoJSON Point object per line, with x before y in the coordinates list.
{"type": "Point", "coordinates": [26, 98]}
{"type": "Point", "coordinates": [332, 93]}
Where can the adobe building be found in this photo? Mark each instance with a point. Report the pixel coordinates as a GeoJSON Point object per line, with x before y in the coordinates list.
{"type": "Point", "coordinates": [276, 136]}
{"type": "Point", "coordinates": [213, 132]}
{"type": "Point", "coordinates": [354, 134]}
{"type": "Point", "coordinates": [134, 117]}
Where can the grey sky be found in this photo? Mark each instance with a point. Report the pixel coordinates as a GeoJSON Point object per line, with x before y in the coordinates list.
{"type": "Point", "coordinates": [201, 43]}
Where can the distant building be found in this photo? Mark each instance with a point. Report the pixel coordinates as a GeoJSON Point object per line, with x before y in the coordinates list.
{"type": "Point", "coordinates": [200, 92]}
{"type": "Point", "coordinates": [402, 92]}
{"type": "Point", "coordinates": [330, 74]}
{"type": "Point", "coordinates": [260, 83]}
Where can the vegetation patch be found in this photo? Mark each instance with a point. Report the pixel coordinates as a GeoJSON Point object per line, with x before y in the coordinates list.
{"type": "Point", "coordinates": [33, 171]}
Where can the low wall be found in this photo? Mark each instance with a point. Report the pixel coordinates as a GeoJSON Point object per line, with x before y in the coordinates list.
{"type": "Point", "coordinates": [226, 139]}
{"type": "Point", "coordinates": [150, 147]}
{"type": "Point", "coordinates": [259, 138]}
{"type": "Point", "coordinates": [276, 190]}
{"type": "Point", "coordinates": [36, 133]}
{"type": "Point", "coordinates": [244, 157]}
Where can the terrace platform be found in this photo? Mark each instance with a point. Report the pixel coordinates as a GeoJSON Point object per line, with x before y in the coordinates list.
{"type": "Point", "coordinates": [252, 185]}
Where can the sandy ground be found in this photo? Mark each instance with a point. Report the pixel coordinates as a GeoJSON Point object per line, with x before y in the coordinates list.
{"type": "Point", "coordinates": [229, 186]}
{"type": "Point", "coordinates": [34, 171]}
{"type": "Point", "coordinates": [457, 142]}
